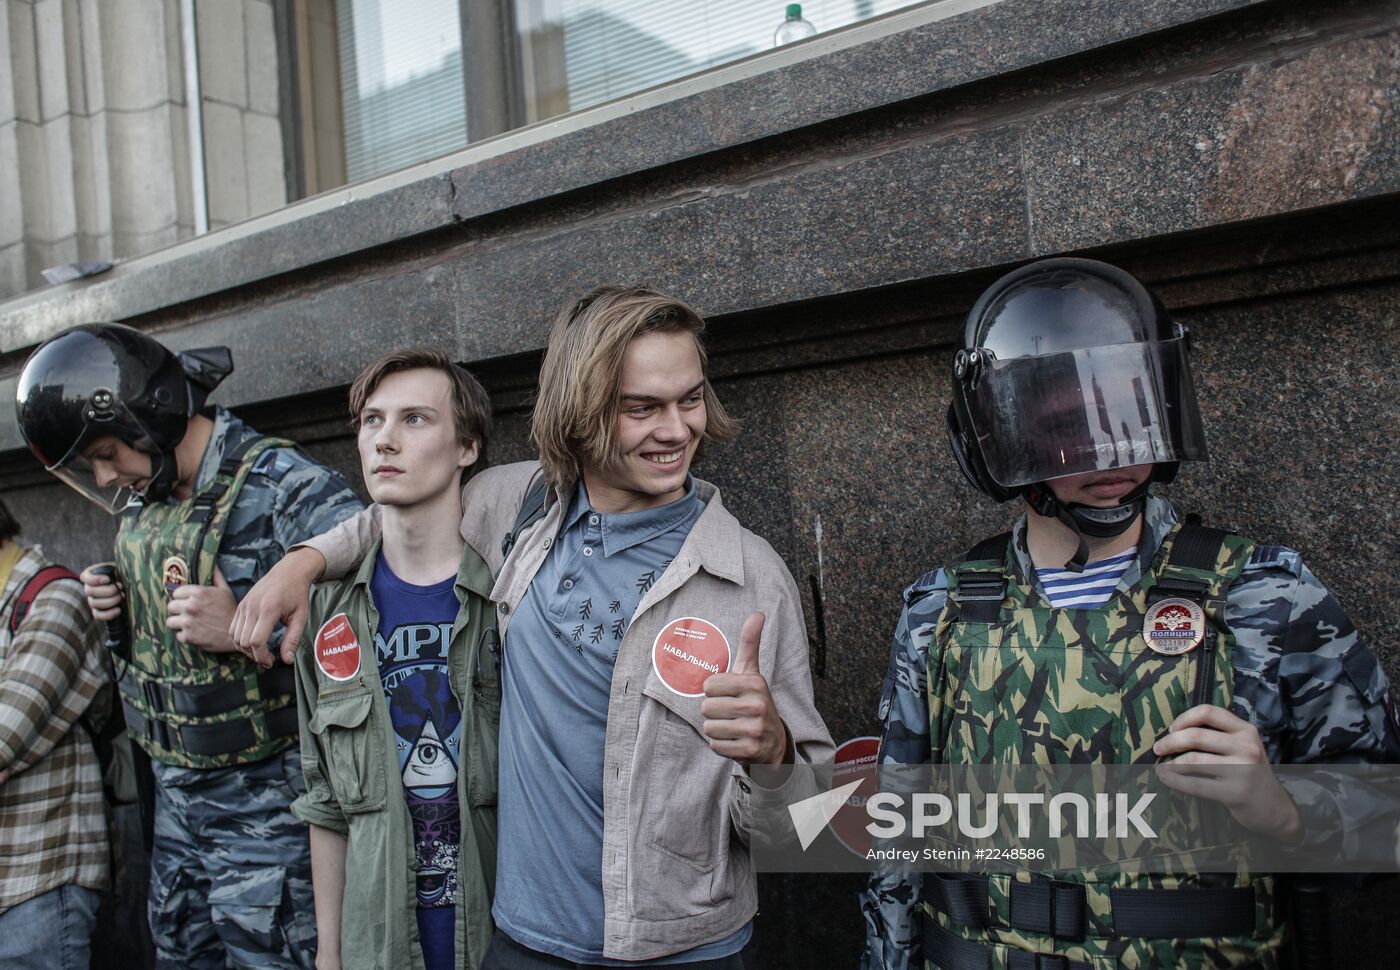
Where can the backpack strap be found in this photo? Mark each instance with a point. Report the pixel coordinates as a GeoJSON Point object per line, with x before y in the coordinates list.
{"type": "Point", "coordinates": [31, 592]}
{"type": "Point", "coordinates": [979, 580]}
{"type": "Point", "coordinates": [531, 511]}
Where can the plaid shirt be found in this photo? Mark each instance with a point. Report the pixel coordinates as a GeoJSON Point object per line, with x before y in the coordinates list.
{"type": "Point", "coordinates": [53, 828]}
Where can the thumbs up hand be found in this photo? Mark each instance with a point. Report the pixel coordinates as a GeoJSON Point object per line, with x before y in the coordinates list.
{"type": "Point", "coordinates": [740, 719]}
{"type": "Point", "coordinates": [200, 615]}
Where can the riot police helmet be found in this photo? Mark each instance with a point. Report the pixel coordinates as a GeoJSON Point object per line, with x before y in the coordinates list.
{"type": "Point", "coordinates": [106, 379]}
{"type": "Point", "coordinates": [1069, 366]}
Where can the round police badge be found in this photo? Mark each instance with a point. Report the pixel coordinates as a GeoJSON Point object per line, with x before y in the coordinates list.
{"type": "Point", "coordinates": [175, 572]}
{"type": "Point", "coordinates": [1174, 626]}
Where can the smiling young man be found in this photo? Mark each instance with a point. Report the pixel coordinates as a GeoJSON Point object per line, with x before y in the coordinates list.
{"type": "Point", "coordinates": [1100, 610]}
{"type": "Point", "coordinates": [624, 794]}
{"type": "Point", "coordinates": [399, 741]}
{"type": "Point", "coordinates": [205, 506]}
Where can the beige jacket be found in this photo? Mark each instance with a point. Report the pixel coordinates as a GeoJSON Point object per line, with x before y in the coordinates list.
{"type": "Point", "coordinates": [676, 867]}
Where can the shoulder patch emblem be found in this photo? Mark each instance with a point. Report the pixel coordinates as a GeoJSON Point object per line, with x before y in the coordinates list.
{"type": "Point", "coordinates": [272, 463]}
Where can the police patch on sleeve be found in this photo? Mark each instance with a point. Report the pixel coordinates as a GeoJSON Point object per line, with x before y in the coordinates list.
{"type": "Point", "coordinates": [1174, 626]}
{"type": "Point", "coordinates": [337, 649]}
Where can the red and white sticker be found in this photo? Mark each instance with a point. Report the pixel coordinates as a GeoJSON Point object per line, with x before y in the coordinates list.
{"type": "Point", "coordinates": [688, 651]}
{"type": "Point", "coordinates": [337, 649]}
{"type": "Point", "coordinates": [1174, 626]}
{"type": "Point", "coordinates": [855, 761]}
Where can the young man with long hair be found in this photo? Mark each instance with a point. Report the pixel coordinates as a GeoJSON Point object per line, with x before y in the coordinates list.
{"type": "Point", "coordinates": [653, 649]}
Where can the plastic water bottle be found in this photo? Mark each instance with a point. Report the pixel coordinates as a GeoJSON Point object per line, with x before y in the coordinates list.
{"type": "Point", "coordinates": [793, 28]}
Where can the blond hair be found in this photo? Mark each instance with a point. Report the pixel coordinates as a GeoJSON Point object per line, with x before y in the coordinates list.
{"type": "Point", "coordinates": [574, 424]}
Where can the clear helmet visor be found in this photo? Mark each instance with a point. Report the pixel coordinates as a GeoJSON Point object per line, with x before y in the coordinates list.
{"type": "Point", "coordinates": [1087, 410]}
{"type": "Point", "coordinates": [105, 466]}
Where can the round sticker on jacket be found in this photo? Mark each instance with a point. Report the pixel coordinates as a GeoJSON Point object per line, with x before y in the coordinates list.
{"type": "Point", "coordinates": [1174, 626]}
{"type": "Point", "coordinates": [855, 760]}
{"type": "Point", "coordinates": [337, 650]}
{"type": "Point", "coordinates": [686, 652]}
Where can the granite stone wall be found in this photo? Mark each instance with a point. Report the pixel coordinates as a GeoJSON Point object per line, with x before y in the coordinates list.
{"type": "Point", "coordinates": [834, 220]}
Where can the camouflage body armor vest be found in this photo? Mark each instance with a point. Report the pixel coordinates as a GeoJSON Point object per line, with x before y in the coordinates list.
{"type": "Point", "coordinates": [185, 706]}
{"type": "Point", "coordinates": [1017, 681]}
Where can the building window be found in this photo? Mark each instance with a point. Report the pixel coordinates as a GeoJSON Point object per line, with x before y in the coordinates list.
{"type": "Point", "coordinates": [407, 79]}
{"type": "Point", "coordinates": [292, 98]}
{"type": "Point", "coordinates": [401, 87]}
{"type": "Point", "coordinates": [578, 53]}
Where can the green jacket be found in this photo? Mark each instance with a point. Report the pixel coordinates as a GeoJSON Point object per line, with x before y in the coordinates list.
{"type": "Point", "coordinates": [351, 765]}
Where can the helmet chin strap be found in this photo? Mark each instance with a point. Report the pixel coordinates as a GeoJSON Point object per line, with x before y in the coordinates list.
{"type": "Point", "coordinates": [163, 478]}
{"type": "Point", "coordinates": [1088, 520]}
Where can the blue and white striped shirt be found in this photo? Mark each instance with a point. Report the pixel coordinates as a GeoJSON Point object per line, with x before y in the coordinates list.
{"type": "Point", "coordinates": [1085, 590]}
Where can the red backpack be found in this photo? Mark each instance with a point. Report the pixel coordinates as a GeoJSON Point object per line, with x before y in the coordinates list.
{"type": "Point", "coordinates": [103, 719]}
{"type": "Point", "coordinates": [31, 592]}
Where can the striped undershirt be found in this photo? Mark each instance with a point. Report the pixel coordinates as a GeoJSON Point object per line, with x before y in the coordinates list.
{"type": "Point", "coordinates": [1088, 589]}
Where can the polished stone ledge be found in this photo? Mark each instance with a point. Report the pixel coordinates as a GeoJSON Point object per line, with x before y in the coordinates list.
{"type": "Point", "coordinates": [944, 54]}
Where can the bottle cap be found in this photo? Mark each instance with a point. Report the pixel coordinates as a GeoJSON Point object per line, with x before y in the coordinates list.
{"type": "Point", "coordinates": [794, 11]}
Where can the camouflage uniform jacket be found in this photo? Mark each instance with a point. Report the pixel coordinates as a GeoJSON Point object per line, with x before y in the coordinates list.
{"type": "Point", "coordinates": [287, 498]}
{"type": "Point", "coordinates": [1302, 676]}
{"type": "Point", "coordinates": [350, 759]}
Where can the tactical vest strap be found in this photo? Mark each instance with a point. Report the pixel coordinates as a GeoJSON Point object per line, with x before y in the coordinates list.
{"type": "Point", "coordinates": [203, 504]}
{"type": "Point", "coordinates": [994, 549]}
{"type": "Point", "coordinates": [1042, 905]}
{"type": "Point", "coordinates": [206, 700]}
{"type": "Point", "coordinates": [210, 740]}
{"type": "Point", "coordinates": [1047, 906]}
{"type": "Point", "coordinates": [948, 951]}
{"type": "Point", "coordinates": [1195, 547]}
{"type": "Point", "coordinates": [962, 898]}
{"type": "Point", "coordinates": [1221, 911]}
{"type": "Point", "coordinates": [1060, 909]}
{"type": "Point", "coordinates": [979, 592]}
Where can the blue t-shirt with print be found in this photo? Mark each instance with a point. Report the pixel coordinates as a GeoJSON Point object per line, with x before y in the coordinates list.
{"type": "Point", "coordinates": [411, 643]}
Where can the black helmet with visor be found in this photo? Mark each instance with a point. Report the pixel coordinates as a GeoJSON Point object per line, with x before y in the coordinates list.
{"type": "Point", "coordinates": [106, 379]}
{"type": "Point", "coordinates": [1071, 366]}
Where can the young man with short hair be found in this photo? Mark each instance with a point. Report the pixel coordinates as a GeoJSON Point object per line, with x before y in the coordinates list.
{"type": "Point", "coordinates": [53, 824]}
{"type": "Point", "coordinates": [399, 741]}
{"type": "Point", "coordinates": [625, 797]}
